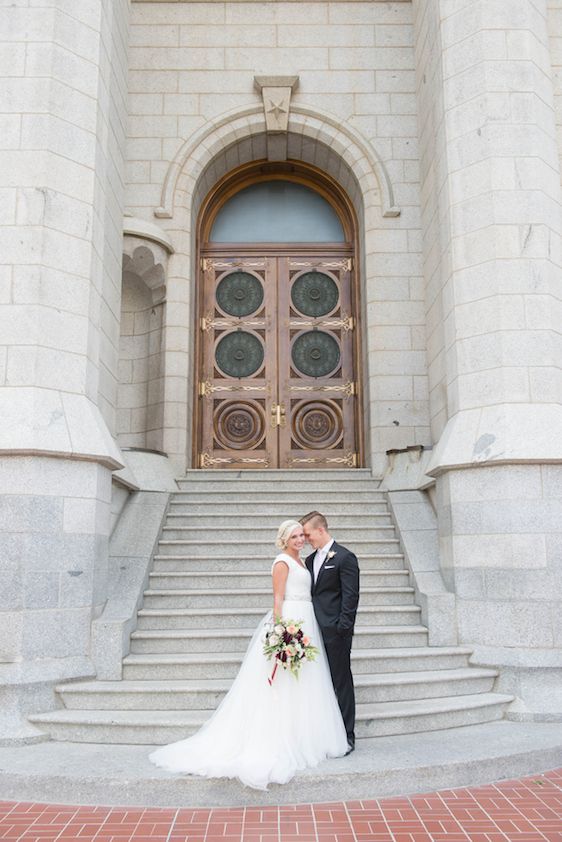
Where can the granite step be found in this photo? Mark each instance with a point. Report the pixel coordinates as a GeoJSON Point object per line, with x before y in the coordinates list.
{"type": "Point", "coordinates": [396, 579]}
{"type": "Point", "coordinates": [240, 534]}
{"type": "Point", "coordinates": [274, 475]}
{"type": "Point", "coordinates": [206, 694]}
{"type": "Point", "coordinates": [190, 641]}
{"type": "Point", "coordinates": [157, 727]}
{"type": "Point", "coordinates": [223, 547]}
{"type": "Point", "coordinates": [386, 600]}
{"type": "Point", "coordinates": [243, 617]}
{"type": "Point", "coordinates": [381, 767]}
{"type": "Point", "coordinates": [403, 658]}
{"type": "Point", "coordinates": [296, 499]}
{"type": "Point", "coordinates": [256, 521]}
{"type": "Point", "coordinates": [311, 483]}
{"type": "Point", "coordinates": [270, 507]}
{"type": "Point", "coordinates": [180, 562]}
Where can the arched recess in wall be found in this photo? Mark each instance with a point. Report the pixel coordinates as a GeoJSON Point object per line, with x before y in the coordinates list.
{"type": "Point", "coordinates": [140, 390]}
{"type": "Point", "coordinates": [277, 354]}
{"type": "Point", "coordinates": [211, 152]}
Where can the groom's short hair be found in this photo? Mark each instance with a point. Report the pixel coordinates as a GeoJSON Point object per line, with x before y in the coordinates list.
{"type": "Point", "coordinates": [317, 520]}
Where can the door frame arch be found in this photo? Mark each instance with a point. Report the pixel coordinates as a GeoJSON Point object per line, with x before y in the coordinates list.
{"type": "Point", "coordinates": [327, 187]}
{"type": "Point", "coordinates": [260, 171]}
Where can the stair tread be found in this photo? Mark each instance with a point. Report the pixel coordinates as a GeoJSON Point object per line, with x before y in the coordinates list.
{"type": "Point", "coordinates": [206, 612]}
{"type": "Point", "coordinates": [260, 557]}
{"type": "Point", "coordinates": [260, 542]}
{"type": "Point", "coordinates": [265, 529]}
{"type": "Point", "coordinates": [356, 654]}
{"type": "Point", "coordinates": [294, 493]}
{"type": "Point", "coordinates": [157, 634]}
{"type": "Point", "coordinates": [267, 592]}
{"type": "Point", "coordinates": [228, 542]}
{"type": "Point", "coordinates": [376, 710]}
{"type": "Point", "coordinates": [197, 612]}
{"type": "Point", "coordinates": [265, 513]}
{"type": "Point", "coordinates": [195, 684]}
{"type": "Point", "coordinates": [235, 574]}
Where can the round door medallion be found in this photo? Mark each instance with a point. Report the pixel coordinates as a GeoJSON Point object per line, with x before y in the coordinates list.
{"type": "Point", "coordinates": [315, 353]}
{"type": "Point", "coordinates": [239, 354]}
{"type": "Point", "coordinates": [239, 425]}
{"type": "Point", "coordinates": [239, 294]}
{"type": "Point", "coordinates": [317, 424]}
{"type": "Point", "coordinates": [314, 294]}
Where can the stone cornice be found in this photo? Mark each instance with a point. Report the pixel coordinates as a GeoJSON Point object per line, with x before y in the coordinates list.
{"type": "Point", "coordinates": [46, 422]}
{"type": "Point", "coordinates": [503, 434]}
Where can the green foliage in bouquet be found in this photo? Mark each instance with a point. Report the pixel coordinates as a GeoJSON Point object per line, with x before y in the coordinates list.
{"type": "Point", "coordinates": [287, 644]}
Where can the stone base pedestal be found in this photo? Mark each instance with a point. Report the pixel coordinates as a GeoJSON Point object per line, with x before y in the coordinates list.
{"type": "Point", "coordinates": [533, 676]}
{"type": "Point", "coordinates": [29, 688]}
{"type": "Point", "coordinates": [54, 532]}
{"type": "Point", "coordinates": [501, 553]}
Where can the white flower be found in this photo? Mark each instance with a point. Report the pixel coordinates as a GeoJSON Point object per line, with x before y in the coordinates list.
{"type": "Point", "coordinates": [331, 554]}
{"type": "Point", "coordinates": [279, 629]}
{"type": "Point", "coordinates": [273, 639]}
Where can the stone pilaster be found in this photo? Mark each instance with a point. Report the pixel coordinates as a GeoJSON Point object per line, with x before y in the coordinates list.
{"type": "Point", "coordinates": [491, 200]}
{"type": "Point", "coordinates": [61, 178]}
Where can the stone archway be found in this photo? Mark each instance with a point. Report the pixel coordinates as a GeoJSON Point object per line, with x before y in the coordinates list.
{"type": "Point", "coordinates": [239, 137]}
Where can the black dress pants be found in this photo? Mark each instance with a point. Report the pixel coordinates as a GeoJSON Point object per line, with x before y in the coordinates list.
{"type": "Point", "coordinates": [338, 650]}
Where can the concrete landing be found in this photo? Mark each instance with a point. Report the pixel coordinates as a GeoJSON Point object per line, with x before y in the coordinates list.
{"type": "Point", "coordinates": [121, 774]}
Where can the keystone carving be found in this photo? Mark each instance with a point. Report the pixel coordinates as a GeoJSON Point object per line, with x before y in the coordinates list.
{"type": "Point", "coordinates": [276, 96]}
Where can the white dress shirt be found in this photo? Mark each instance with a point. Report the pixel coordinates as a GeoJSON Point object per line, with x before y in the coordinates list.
{"type": "Point", "coordinates": [320, 557]}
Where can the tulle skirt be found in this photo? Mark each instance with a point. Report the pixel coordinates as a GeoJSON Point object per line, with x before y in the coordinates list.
{"type": "Point", "coordinates": [263, 733]}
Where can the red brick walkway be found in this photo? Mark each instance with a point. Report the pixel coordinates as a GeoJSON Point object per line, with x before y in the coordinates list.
{"type": "Point", "coordinates": [527, 810]}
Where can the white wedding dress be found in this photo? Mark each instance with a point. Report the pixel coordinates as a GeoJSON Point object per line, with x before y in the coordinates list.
{"type": "Point", "coordinates": [264, 734]}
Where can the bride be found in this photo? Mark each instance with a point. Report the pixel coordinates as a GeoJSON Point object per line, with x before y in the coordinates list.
{"type": "Point", "coordinates": [263, 733]}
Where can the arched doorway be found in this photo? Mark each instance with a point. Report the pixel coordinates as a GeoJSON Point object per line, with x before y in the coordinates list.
{"type": "Point", "coordinates": [277, 346]}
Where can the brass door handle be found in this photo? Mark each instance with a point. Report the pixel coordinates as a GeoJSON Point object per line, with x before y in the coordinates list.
{"type": "Point", "coordinates": [278, 418]}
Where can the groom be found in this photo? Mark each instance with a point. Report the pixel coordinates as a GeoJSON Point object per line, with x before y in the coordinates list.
{"type": "Point", "coordinates": [335, 595]}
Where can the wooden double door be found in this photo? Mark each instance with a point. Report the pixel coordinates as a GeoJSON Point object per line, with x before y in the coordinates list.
{"type": "Point", "coordinates": [277, 385]}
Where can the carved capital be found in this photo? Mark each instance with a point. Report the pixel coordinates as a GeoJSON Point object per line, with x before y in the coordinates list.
{"type": "Point", "coordinates": [141, 259]}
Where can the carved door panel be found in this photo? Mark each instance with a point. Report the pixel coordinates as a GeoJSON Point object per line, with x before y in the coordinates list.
{"type": "Point", "coordinates": [277, 384]}
{"type": "Point", "coordinates": [239, 360]}
{"type": "Point", "coordinates": [316, 372]}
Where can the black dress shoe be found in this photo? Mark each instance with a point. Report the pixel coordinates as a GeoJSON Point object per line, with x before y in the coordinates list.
{"type": "Point", "coordinates": [350, 748]}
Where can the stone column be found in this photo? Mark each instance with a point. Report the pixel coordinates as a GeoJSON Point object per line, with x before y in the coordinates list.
{"type": "Point", "coordinates": [492, 225]}
{"type": "Point", "coordinates": [60, 281]}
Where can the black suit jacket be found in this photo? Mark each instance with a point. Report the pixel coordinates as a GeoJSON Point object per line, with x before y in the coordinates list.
{"type": "Point", "coordinates": [335, 595]}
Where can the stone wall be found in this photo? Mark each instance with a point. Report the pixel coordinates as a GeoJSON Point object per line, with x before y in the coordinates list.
{"type": "Point", "coordinates": [492, 223]}
{"type": "Point", "coordinates": [62, 212]}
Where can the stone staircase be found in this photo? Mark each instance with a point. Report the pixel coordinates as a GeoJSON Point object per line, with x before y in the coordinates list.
{"type": "Point", "coordinates": [211, 583]}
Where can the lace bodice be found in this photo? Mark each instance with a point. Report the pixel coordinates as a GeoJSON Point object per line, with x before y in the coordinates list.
{"type": "Point", "coordinates": [298, 580]}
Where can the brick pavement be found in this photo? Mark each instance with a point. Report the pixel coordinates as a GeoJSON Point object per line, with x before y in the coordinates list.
{"type": "Point", "coordinates": [525, 810]}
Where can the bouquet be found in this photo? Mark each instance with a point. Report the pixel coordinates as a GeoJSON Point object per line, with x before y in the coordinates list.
{"type": "Point", "coordinates": [289, 646]}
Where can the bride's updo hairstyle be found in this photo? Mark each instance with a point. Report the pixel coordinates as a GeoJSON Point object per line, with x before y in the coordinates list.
{"type": "Point", "coordinates": [284, 533]}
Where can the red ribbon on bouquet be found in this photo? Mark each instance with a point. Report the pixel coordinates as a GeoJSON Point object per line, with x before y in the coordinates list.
{"type": "Point", "coordinates": [270, 680]}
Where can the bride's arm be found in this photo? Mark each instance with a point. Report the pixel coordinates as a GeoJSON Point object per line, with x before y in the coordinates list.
{"type": "Point", "coordinates": [280, 573]}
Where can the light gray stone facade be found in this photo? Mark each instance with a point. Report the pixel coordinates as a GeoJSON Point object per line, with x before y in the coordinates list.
{"type": "Point", "coordinates": [440, 119]}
